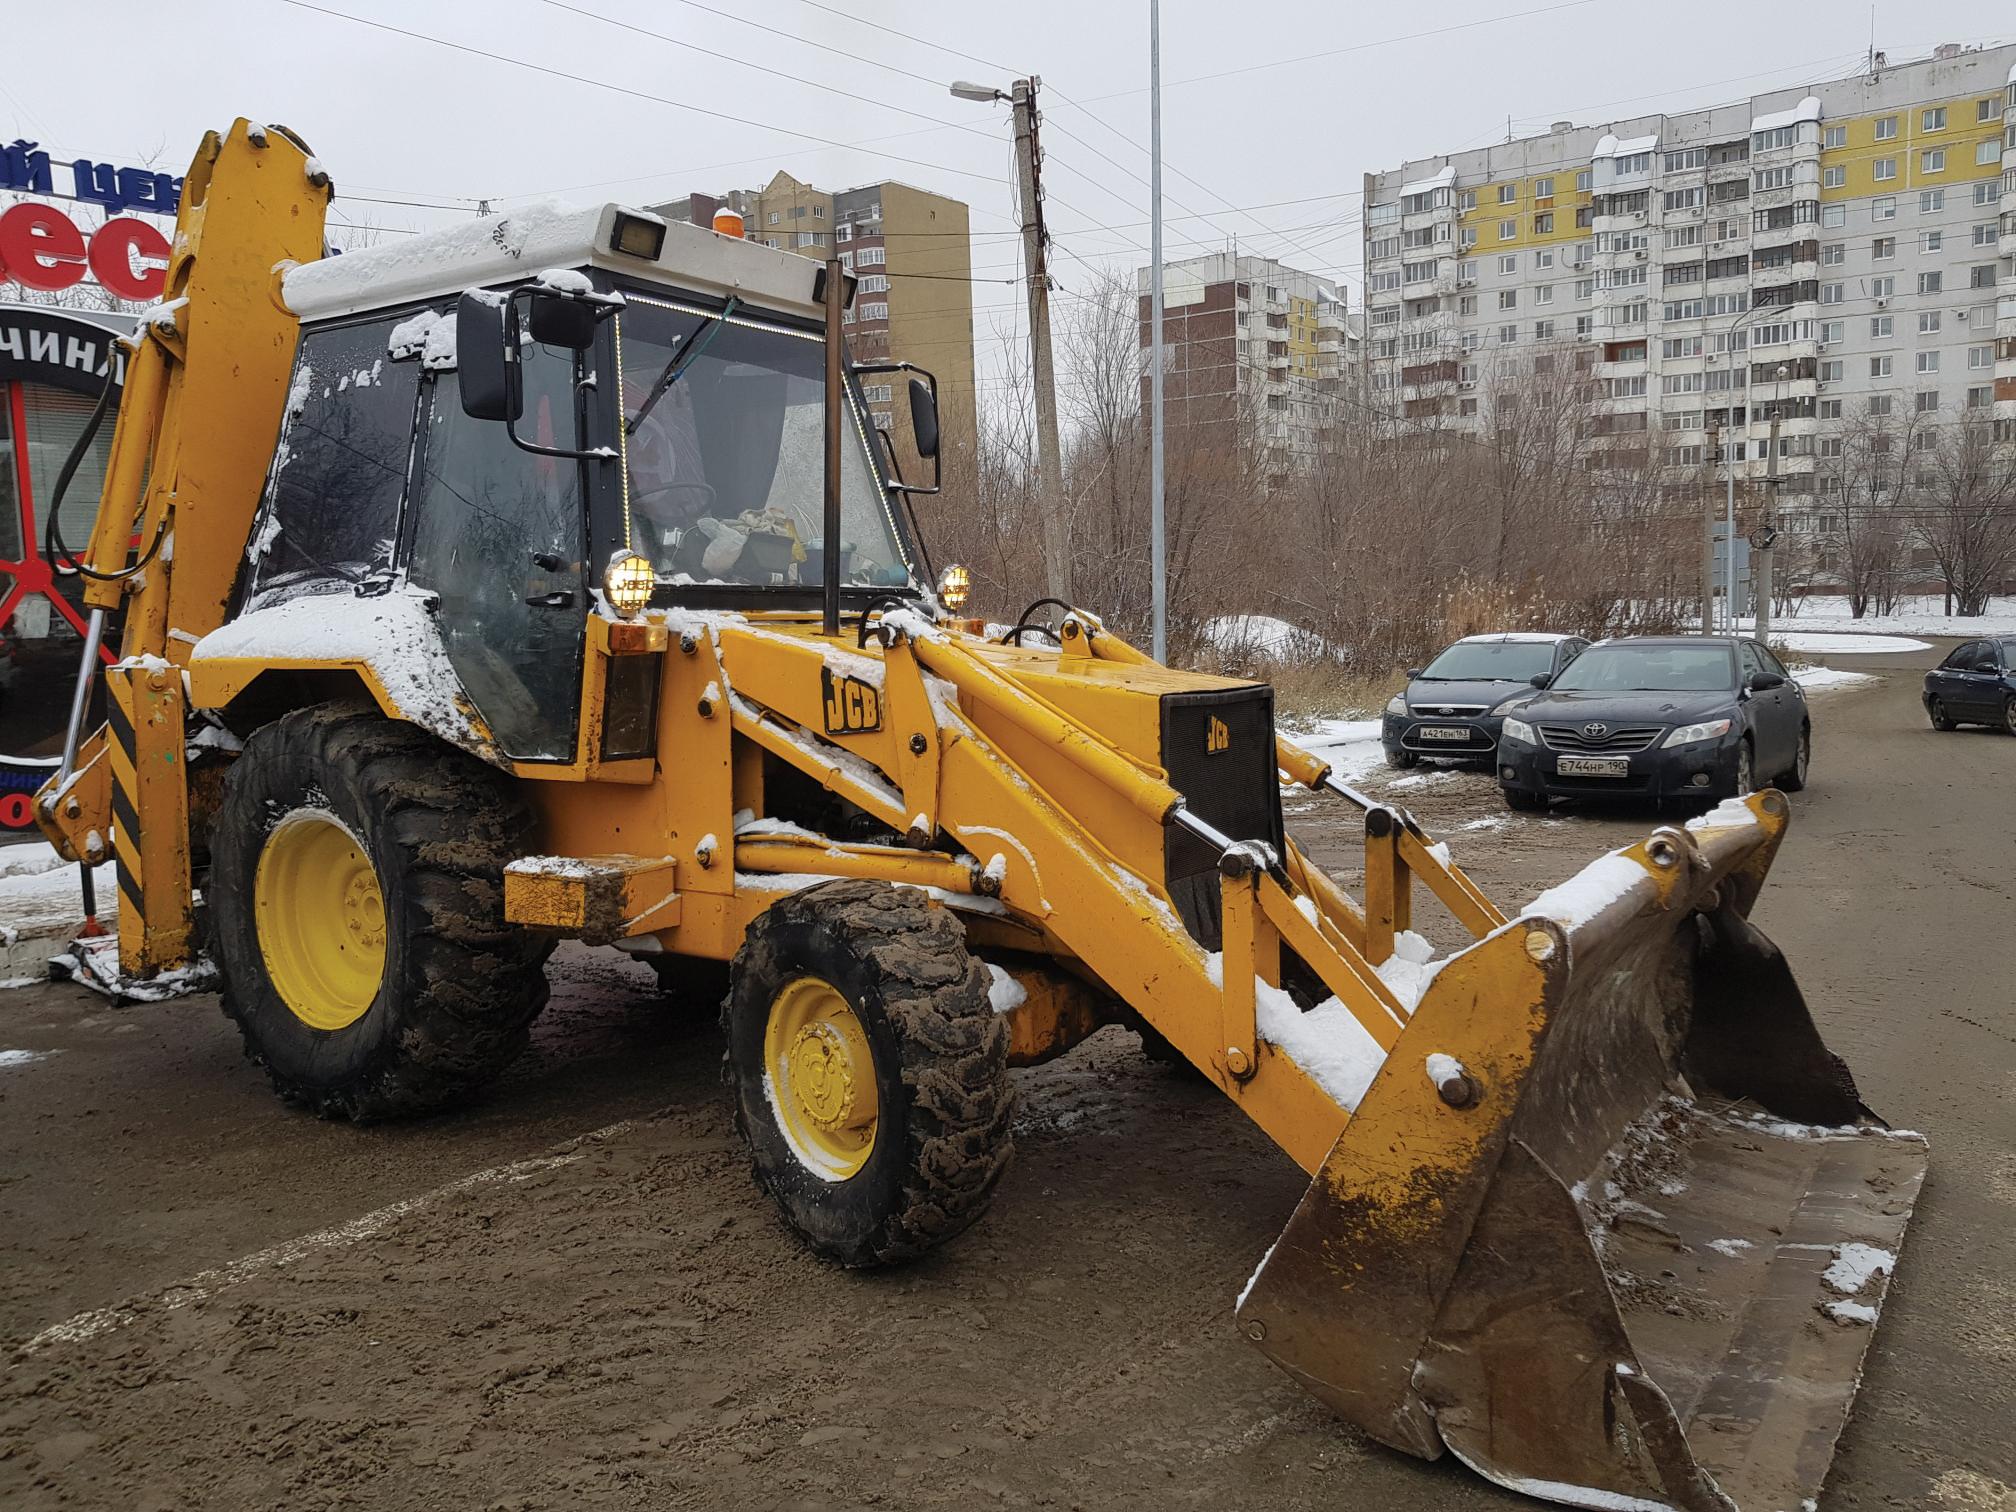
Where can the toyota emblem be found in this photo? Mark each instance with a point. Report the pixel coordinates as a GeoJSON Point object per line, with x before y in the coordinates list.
{"type": "Point", "coordinates": [1595, 730]}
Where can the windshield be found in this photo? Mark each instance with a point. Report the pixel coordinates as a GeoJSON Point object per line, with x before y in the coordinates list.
{"type": "Point", "coordinates": [1491, 661]}
{"type": "Point", "coordinates": [1649, 669]}
{"type": "Point", "coordinates": [727, 471]}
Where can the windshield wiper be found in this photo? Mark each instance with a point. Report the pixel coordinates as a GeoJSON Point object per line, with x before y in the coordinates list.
{"type": "Point", "coordinates": [688, 353]}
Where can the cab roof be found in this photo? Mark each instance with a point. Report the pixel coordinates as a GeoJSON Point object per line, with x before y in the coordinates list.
{"type": "Point", "coordinates": [550, 234]}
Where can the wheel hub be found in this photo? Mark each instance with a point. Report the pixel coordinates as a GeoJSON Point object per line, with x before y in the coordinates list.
{"type": "Point", "coordinates": [320, 915]}
{"type": "Point", "coordinates": [822, 1078]}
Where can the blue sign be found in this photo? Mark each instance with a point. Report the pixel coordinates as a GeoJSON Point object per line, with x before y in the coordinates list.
{"type": "Point", "coordinates": [25, 167]}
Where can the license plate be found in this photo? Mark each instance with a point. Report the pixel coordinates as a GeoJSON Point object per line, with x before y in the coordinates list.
{"type": "Point", "coordinates": [1443, 732]}
{"type": "Point", "coordinates": [1592, 766]}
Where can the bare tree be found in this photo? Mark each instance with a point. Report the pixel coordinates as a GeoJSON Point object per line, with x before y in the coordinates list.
{"type": "Point", "coordinates": [1967, 508]}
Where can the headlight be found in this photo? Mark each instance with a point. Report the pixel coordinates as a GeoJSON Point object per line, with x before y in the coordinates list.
{"type": "Point", "coordinates": [1397, 706]}
{"type": "Point", "coordinates": [1508, 703]}
{"type": "Point", "coordinates": [628, 581]}
{"type": "Point", "coordinates": [1518, 729]}
{"type": "Point", "coordinates": [955, 586]}
{"type": "Point", "coordinates": [1688, 734]}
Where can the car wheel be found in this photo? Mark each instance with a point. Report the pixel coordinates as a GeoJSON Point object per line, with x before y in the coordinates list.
{"type": "Point", "coordinates": [1522, 802]}
{"type": "Point", "coordinates": [1794, 779]}
{"type": "Point", "coordinates": [2009, 715]}
{"type": "Point", "coordinates": [1402, 761]}
{"type": "Point", "coordinates": [1746, 770]}
{"type": "Point", "coordinates": [1935, 708]}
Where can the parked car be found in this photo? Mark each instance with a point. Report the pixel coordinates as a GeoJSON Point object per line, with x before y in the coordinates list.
{"type": "Point", "coordinates": [1452, 706]}
{"type": "Point", "coordinates": [1975, 685]}
{"type": "Point", "coordinates": [1658, 717]}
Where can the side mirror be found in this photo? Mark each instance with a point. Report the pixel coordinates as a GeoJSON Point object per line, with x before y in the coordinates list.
{"type": "Point", "coordinates": [562, 322]}
{"type": "Point", "coordinates": [1764, 682]}
{"type": "Point", "coordinates": [486, 356]}
{"type": "Point", "coordinates": [924, 418]}
{"type": "Point", "coordinates": [1541, 679]}
{"type": "Point", "coordinates": [1412, 673]}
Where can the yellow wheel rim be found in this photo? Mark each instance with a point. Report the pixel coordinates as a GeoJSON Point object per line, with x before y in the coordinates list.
{"type": "Point", "coordinates": [820, 1075]}
{"type": "Point", "coordinates": [321, 919]}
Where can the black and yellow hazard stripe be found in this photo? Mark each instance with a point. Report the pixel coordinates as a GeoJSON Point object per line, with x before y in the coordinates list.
{"type": "Point", "coordinates": [125, 816]}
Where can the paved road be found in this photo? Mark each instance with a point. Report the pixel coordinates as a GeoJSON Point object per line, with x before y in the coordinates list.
{"type": "Point", "coordinates": [487, 1310]}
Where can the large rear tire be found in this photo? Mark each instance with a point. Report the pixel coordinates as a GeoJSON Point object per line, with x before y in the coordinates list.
{"type": "Point", "coordinates": [870, 1072]}
{"type": "Point", "coordinates": [357, 908]}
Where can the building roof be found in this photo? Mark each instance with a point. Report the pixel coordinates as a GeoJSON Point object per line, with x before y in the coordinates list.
{"type": "Point", "coordinates": [1807, 109]}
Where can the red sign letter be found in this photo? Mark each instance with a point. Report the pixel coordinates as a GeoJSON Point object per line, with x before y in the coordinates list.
{"type": "Point", "coordinates": [40, 248]}
{"type": "Point", "coordinates": [113, 253]}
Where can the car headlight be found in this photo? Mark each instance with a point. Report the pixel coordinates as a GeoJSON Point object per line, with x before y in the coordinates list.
{"type": "Point", "coordinates": [1397, 705]}
{"type": "Point", "coordinates": [1510, 703]}
{"type": "Point", "coordinates": [1518, 729]}
{"type": "Point", "coordinates": [1688, 734]}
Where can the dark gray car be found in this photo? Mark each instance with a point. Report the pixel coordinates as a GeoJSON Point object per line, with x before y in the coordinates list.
{"type": "Point", "coordinates": [1453, 705]}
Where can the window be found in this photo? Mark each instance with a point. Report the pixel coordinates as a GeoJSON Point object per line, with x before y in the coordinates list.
{"type": "Point", "coordinates": [1987, 150]}
{"type": "Point", "coordinates": [1833, 370]}
{"type": "Point", "coordinates": [1467, 238]}
{"type": "Point", "coordinates": [807, 238]}
{"type": "Point", "coordinates": [1385, 246]}
{"type": "Point", "coordinates": [818, 212]}
{"type": "Point", "coordinates": [1582, 182]}
{"type": "Point", "coordinates": [1830, 409]}
{"type": "Point", "coordinates": [1508, 264]}
{"type": "Point", "coordinates": [1883, 247]}
{"type": "Point", "coordinates": [872, 257]}
{"type": "Point", "coordinates": [1928, 324]}
{"type": "Point", "coordinates": [1929, 283]}
{"type": "Point", "coordinates": [1584, 324]}
{"type": "Point", "coordinates": [1685, 199]}
{"type": "Point", "coordinates": [1585, 288]}
{"type": "Point", "coordinates": [1886, 169]}
{"type": "Point", "coordinates": [797, 212]}
{"type": "Point", "coordinates": [1684, 236]}
{"type": "Point", "coordinates": [843, 232]}
{"type": "Point", "coordinates": [878, 310]}
{"type": "Point", "coordinates": [1980, 357]}
{"type": "Point", "coordinates": [1419, 272]}
{"type": "Point", "coordinates": [1507, 335]}
{"type": "Point", "coordinates": [1980, 398]}
{"type": "Point", "coordinates": [1833, 330]}
{"type": "Point", "coordinates": [1928, 362]}
{"type": "Point", "coordinates": [1833, 255]}
{"type": "Point", "coordinates": [1543, 330]}
{"type": "Point", "coordinates": [1680, 346]}
{"type": "Point", "coordinates": [1691, 157]}
{"type": "Point", "coordinates": [1932, 160]}
{"type": "Point", "coordinates": [1508, 230]}
{"type": "Point", "coordinates": [1543, 188]}
{"type": "Point", "coordinates": [1883, 208]}
{"type": "Point", "coordinates": [1774, 178]}
{"type": "Point", "coordinates": [1543, 259]}
{"type": "Point", "coordinates": [1543, 294]}
{"type": "Point", "coordinates": [1543, 224]}
{"type": "Point", "coordinates": [1880, 327]}
{"type": "Point", "coordinates": [1886, 129]}
{"type": "Point", "coordinates": [1777, 136]}
{"type": "Point", "coordinates": [1933, 119]}
{"type": "Point", "coordinates": [876, 393]}
{"type": "Point", "coordinates": [1833, 178]}
{"type": "Point", "coordinates": [1837, 137]}
{"type": "Point", "coordinates": [1833, 217]}
{"type": "Point", "coordinates": [1932, 201]}
{"type": "Point", "coordinates": [1982, 277]}
{"type": "Point", "coordinates": [1467, 305]}
{"type": "Point", "coordinates": [1928, 400]}
{"type": "Point", "coordinates": [1988, 109]}
{"type": "Point", "coordinates": [1830, 446]}
{"type": "Point", "coordinates": [1931, 241]}
{"type": "Point", "coordinates": [1466, 199]}
{"type": "Point", "coordinates": [1379, 283]}
{"type": "Point", "coordinates": [1882, 288]}
{"type": "Point", "coordinates": [1507, 193]}
{"type": "Point", "coordinates": [1508, 299]}
{"type": "Point", "coordinates": [1582, 218]}
{"type": "Point", "coordinates": [1985, 235]}
{"type": "Point", "coordinates": [1987, 192]}
{"type": "Point", "coordinates": [1879, 367]}
{"type": "Point", "coordinates": [1630, 314]}
{"type": "Point", "coordinates": [1636, 162]}
{"type": "Point", "coordinates": [1679, 383]}
{"type": "Point", "coordinates": [1830, 293]}
{"type": "Point", "coordinates": [875, 283]}
{"type": "Point", "coordinates": [1879, 404]}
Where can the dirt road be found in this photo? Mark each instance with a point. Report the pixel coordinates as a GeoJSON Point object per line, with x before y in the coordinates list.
{"type": "Point", "coordinates": [573, 1296]}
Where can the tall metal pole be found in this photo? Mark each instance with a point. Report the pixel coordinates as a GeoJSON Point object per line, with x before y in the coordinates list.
{"type": "Point", "coordinates": [830, 547]}
{"type": "Point", "coordinates": [1729, 547]}
{"type": "Point", "coordinates": [1760, 564]}
{"type": "Point", "coordinates": [1708, 534]}
{"type": "Point", "coordinates": [1157, 546]}
{"type": "Point", "coordinates": [1049, 458]}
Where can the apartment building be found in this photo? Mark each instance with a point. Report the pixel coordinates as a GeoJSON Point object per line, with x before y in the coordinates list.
{"type": "Point", "coordinates": [1255, 352]}
{"type": "Point", "coordinates": [912, 251]}
{"type": "Point", "coordinates": [1835, 255]}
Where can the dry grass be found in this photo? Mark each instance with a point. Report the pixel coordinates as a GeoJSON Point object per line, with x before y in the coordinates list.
{"type": "Point", "coordinates": [1309, 690]}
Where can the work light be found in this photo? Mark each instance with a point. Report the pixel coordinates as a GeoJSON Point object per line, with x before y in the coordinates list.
{"type": "Point", "coordinates": [628, 581]}
{"type": "Point", "coordinates": [955, 586]}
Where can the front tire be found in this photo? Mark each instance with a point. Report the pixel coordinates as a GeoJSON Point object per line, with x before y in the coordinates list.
{"type": "Point", "coordinates": [1746, 770]}
{"type": "Point", "coordinates": [1794, 779]}
{"type": "Point", "coordinates": [870, 1072]}
{"type": "Point", "coordinates": [1522, 802]}
{"type": "Point", "coordinates": [2009, 715]}
{"type": "Point", "coordinates": [356, 898]}
{"type": "Point", "coordinates": [1401, 760]}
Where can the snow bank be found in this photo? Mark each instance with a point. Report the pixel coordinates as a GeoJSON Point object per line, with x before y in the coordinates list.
{"type": "Point", "coordinates": [1923, 615]}
{"type": "Point", "coordinates": [1351, 746]}
{"type": "Point", "coordinates": [1264, 635]}
{"type": "Point", "coordinates": [1829, 677]}
{"type": "Point", "coordinates": [1836, 644]}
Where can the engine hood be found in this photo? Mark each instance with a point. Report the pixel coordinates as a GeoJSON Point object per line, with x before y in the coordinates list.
{"type": "Point", "coordinates": [1424, 694]}
{"type": "Point", "coordinates": [1568, 707]}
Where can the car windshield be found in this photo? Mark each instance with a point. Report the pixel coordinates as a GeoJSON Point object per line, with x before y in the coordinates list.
{"type": "Point", "coordinates": [727, 470]}
{"type": "Point", "coordinates": [1491, 661]}
{"type": "Point", "coordinates": [1650, 669]}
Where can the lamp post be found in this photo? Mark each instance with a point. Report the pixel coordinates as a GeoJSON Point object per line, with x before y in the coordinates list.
{"type": "Point", "coordinates": [1742, 319]}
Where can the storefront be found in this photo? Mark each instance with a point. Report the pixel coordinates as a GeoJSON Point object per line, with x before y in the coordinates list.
{"type": "Point", "coordinates": [53, 365]}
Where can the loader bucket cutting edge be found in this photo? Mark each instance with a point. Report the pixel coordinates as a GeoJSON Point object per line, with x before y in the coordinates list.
{"type": "Point", "coordinates": [1641, 1269]}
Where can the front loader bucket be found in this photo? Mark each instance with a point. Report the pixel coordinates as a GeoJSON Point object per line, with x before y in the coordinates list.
{"type": "Point", "coordinates": [1622, 1242]}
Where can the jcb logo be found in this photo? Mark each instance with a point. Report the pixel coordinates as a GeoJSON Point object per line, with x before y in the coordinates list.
{"type": "Point", "coordinates": [853, 707]}
{"type": "Point", "coordinates": [1217, 736]}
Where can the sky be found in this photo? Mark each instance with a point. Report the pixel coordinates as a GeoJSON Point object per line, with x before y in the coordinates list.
{"type": "Point", "coordinates": [1271, 116]}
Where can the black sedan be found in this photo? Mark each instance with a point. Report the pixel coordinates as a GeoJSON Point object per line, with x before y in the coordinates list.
{"type": "Point", "coordinates": [1658, 717]}
{"type": "Point", "coordinates": [1452, 706]}
{"type": "Point", "coordinates": [1975, 685]}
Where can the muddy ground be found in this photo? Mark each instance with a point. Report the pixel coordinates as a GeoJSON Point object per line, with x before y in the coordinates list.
{"type": "Point", "coordinates": [572, 1296]}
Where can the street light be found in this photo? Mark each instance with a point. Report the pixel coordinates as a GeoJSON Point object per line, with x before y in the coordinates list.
{"type": "Point", "coordinates": [1743, 318]}
{"type": "Point", "coordinates": [986, 94]}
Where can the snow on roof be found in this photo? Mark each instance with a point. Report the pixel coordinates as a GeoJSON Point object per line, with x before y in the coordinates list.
{"type": "Point", "coordinates": [1807, 109]}
{"type": "Point", "coordinates": [1610, 146]}
{"type": "Point", "coordinates": [1442, 179]}
{"type": "Point", "coordinates": [545, 235]}
{"type": "Point", "coordinates": [1547, 637]}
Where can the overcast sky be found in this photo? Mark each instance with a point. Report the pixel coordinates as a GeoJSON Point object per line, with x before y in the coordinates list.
{"type": "Point", "coordinates": [396, 117]}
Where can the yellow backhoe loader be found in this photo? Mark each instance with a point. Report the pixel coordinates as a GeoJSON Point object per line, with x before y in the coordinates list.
{"type": "Point", "coordinates": [548, 576]}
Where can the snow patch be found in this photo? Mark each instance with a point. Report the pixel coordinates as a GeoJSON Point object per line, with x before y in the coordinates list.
{"type": "Point", "coordinates": [12, 1058]}
{"type": "Point", "coordinates": [1731, 1247]}
{"type": "Point", "coordinates": [1586, 894]}
{"type": "Point", "coordinates": [1004, 993]}
{"type": "Point", "coordinates": [1856, 1265]}
{"type": "Point", "coordinates": [1850, 1314]}
{"type": "Point", "coordinates": [1828, 677]}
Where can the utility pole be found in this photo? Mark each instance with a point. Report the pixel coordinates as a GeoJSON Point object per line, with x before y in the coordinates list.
{"type": "Point", "coordinates": [1708, 535]}
{"type": "Point", "coordinates": [1767, 532]}
{"type": "Point", "coordinates": [1157, 546]}
{"type": "Point", "coordinates": [1049, 457]}
{"type": "Point", "coordinates": [1729, 545]}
